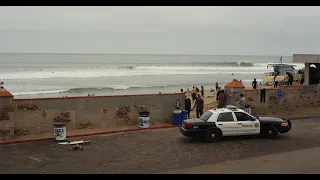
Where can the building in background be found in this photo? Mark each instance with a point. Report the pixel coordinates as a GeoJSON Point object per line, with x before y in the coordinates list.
{"type": "Point", "coordinates": [312, 67]}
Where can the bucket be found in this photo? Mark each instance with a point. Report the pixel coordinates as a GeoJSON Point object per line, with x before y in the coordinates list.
{"type": "Point", "coordinates": [144, 119]}
{"type": "Point", "coordinates": [60, 132]}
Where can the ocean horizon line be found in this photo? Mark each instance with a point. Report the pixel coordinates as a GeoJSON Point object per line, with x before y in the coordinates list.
{"type": "Point", "coordinates": [155, 54]}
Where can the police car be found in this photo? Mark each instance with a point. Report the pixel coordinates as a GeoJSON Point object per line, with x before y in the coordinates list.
{"type": "Point", "coordinates": [231, 121]}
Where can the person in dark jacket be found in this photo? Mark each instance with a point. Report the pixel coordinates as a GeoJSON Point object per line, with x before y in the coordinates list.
{"type": "Point", "coordinates": [202, 91]}
{"type": "Point", "coordinates": [187, 105]}
{"type": "Point", "coordinates": [290, 79]}
{"type": "Point", "coordinates": [222, 100]}
{"type": "Point", "coordinates": [218, 93]}
{"type": "Point", "coordinates": [254, 84]}
{"type": "Point", "coordinates": [199, 106]}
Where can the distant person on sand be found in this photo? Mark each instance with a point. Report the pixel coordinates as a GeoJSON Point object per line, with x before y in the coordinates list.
{"type": "Point", "coordinates": [212, 92]}
{"type": "Point", "coordinates": [254, 84]}
{"type": "Point", "coordinates": [217, 86]}
{"type": "Point", "coordinates": [188, 90]}
{"type": "Point", "coordinates": [222, 100]}
{"type": "Point", "coordinates": [242, 102]}
{"type": "Point", "coordinates": [187, 106]}
{"type": "Point", "coordinates": [199, 105]}
{"type": "Point", "coordinates": [194, 94]}
{"type": "Point", "coordinates": [302, 78]}
{"type": "Point", "coordinates": [290, 79]}
{"type": "Point", "coordinates": [275, 81]}
{"type": "Point", "coordinates": [202, 91]}
{"type": "Point", "coordinates": [218, 93]}
{"type": "Point", "coordinates": [197, 89]}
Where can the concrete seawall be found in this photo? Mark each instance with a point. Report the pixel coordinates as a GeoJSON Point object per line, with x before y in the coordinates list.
{"type": "Point", "coordinates": [20, 117]}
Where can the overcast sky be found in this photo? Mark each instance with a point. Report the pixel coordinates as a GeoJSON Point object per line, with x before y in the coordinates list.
{"type": "Point", "coordinates": [161, 30]}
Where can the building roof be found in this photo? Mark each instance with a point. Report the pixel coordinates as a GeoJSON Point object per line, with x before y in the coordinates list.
{"type": "Point", "coordinates": [306, 58]}
{"type": "Point", "coordinates": [5, 93]}
{"type": "Point", "coordinates": [234, 84]}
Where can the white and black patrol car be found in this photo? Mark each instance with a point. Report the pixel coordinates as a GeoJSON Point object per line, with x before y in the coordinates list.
{"type": "Point", "coordinates": [231, 121]}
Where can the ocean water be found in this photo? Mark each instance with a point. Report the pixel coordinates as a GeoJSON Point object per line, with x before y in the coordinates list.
{"type": "Point", "coordinates": [54, 75]}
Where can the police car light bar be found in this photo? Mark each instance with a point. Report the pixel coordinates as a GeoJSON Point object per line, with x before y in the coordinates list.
{"type": "Point", "coordinates": [231, 107]}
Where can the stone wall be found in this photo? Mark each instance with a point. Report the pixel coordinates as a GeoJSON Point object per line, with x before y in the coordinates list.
{"type": "Point", "coordinates": [292, 98]}
{"type": "Point", "coordinates": [30, 116]}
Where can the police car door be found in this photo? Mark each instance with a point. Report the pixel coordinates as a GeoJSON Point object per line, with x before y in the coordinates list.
{"type": "Point", "coordinates": [226, 122]}
{"type": "Point", "coordinates": [247, 124]}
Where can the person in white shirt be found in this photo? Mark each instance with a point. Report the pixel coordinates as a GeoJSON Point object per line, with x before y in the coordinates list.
{"type": "Point", "coordinates": [242, 102]}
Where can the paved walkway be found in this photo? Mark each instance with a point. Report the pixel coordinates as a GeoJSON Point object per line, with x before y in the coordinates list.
{"type": "Point", "coordinates": [297, 162]}
{"type": "Point", "coordinates": [164, 150]}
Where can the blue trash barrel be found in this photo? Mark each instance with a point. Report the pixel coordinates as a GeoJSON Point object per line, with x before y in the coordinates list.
{"type": "Point", "coordinates": [176, 117]}
{"type": "Point", "coordinates": [247, 108]}
{"type": "Point", "coordinates": [184, 115]}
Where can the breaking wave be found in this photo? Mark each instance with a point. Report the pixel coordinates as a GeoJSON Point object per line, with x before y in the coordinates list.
{"type": "Point", "coordinates": [140, 70]}
{"type": "Point", "coordinates": [90, 90]}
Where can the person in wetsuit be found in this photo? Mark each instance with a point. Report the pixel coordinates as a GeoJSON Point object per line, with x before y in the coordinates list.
{"type": "Point", "coordinates": [254, 84]}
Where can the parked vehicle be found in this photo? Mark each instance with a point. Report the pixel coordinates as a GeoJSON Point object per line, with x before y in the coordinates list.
{"type": "Point", "coordinates": [216, 123]}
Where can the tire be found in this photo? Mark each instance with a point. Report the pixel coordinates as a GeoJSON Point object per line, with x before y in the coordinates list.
{"type": "Point", "coordinates": [213, 135]}
{"type": "Point", "coordinates": [289, 123]}
{"type": "Point", "coordinates": [271, 132]}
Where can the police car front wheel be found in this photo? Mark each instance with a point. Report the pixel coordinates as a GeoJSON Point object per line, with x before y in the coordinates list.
{"type": "Point", "coordinates": [271, 132]}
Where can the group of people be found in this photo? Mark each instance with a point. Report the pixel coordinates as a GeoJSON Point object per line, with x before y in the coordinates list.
{"type": "Point", "coordinates": [198, 100]}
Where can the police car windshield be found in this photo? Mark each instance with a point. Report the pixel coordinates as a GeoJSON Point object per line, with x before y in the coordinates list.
{"type": "Point", "coordinates": [205, 116]}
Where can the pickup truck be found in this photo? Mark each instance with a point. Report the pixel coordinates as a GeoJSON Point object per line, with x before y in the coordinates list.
{"type": "Point", "coordinates": [216, 123]}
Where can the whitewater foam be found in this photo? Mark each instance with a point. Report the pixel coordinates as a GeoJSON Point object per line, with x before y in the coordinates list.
{"type": "Point", "coordinates": [124, 71]}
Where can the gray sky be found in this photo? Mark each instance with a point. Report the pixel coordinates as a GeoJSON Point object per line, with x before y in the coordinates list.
{"type": "Point", "coordinates": [161, 30]}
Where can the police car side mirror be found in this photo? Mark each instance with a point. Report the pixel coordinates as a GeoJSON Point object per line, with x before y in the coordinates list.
{"type": "Point", "coordinates": [257, 117]}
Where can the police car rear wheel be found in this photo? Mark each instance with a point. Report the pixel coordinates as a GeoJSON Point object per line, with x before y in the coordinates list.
{"type": "Point", "coordinates": [213, 135]}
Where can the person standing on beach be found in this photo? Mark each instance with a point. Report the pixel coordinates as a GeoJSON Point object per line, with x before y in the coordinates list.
{"type": "Point", "coordinates": [194, 94]}
{"type": "Point", "coordinates": [275, 81]}
{"type": "Point", "coordinates": [242, 102]}
{"type": "Point", "coordinates": [302, 78]}
{"type": "Point", "coordinates": [197, 89]}
{"type": "Point", "coordinates": [218, 93]}
{"type": "Point", "coordinates": [254, 84]}
{"type": "Point", "coordinates": [187, 106]}
{"type": "Point", "coordinates": [217, 86]}
{"type": "Point", "coordinates": [290, 79]}
{"type": "Point", "coordinates": [222, 100]}
{"type": "Point", "coordinates": [202, 91]}
{"type": "Point", "coordinates": [199, 106]}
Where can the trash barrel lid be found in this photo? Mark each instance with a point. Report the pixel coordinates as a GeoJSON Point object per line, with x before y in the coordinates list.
{"type": "Point", "coordinates": [177, 111]}
{"type": "Point", "coordinates": [59, 124]}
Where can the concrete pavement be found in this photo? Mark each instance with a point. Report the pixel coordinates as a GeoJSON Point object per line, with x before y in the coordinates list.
{"type": "Point", "coordinates": [165, 150]}
{"type": "Point", "coordinates": [305, 161]}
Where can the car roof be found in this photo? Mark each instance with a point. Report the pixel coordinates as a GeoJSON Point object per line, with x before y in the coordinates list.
{"type": "Point", "coordinates": [222, 110]}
